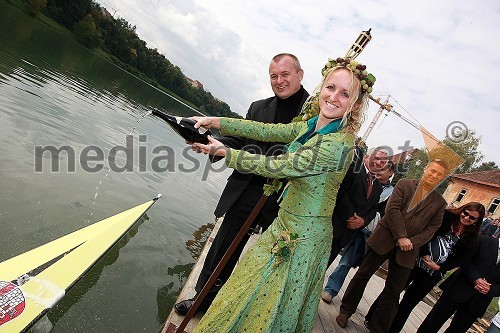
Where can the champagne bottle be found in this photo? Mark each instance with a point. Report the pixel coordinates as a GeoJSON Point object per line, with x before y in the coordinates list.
{"type": "Point", "coordinates": [184, 127]}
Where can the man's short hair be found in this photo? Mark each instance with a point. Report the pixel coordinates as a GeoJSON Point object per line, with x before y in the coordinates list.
{"type": "Point", "coordinates": [376, 150]}
{"type": "Point", "coordinates": [439, 161]}
{"type": "Point", "coordinates": [296, 61]}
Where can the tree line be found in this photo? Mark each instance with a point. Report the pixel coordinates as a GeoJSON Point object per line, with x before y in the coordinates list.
{"type": "Point", "coordinates": [96, 29]}
{"type": "Point", "coordinates": [93, 27]}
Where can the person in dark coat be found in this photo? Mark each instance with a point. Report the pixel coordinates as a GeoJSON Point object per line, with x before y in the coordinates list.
{"type": "Point", "coordinates": [451, 247]}
{"type": "Point", "coordinates": [353, 252]}
{"type": "Point", "coordinates": [468, 291]}
{"type": "Point", "coordinates": [243, 190]}
{"type": "Point", "coordinates": [357, 198]}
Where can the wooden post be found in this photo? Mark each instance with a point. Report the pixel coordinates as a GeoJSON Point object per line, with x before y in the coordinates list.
{"type": "Point", "coordinates": [236, 241]}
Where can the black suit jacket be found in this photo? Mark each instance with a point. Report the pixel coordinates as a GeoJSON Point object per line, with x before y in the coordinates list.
{"type": "Point", "coordinates": [263, 111]}
{"type": "Point", "coordinates": [460, 285]}
{"type": "Point", "coordinates": [351, 198]}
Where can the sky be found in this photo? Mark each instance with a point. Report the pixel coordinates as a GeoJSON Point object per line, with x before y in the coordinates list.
{"type": "Point", "coordinates": [439, 61]}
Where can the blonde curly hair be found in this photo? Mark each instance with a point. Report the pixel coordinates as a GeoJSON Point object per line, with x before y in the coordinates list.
{"type": "Point", "coordinates": [358, 102]}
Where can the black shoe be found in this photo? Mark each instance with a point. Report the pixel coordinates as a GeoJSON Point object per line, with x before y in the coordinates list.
{"type": "Point", "coordinates": [182, 308]}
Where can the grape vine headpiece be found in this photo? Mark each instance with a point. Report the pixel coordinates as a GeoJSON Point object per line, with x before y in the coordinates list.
{"type": "Point", "coordinates": [367, 80]}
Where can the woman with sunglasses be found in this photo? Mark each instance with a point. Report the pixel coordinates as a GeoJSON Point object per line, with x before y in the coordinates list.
{"type": "Point", "coordinates": [451, 246]}
{"type": "Point", "coordinates": [467, 292]}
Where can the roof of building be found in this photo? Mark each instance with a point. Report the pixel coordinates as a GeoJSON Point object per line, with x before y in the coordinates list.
{"type": "Point", "coordinates": [490, 178]}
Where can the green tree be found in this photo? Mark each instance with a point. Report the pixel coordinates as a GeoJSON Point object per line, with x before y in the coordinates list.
{"type": "Point", "coordinates": [33, 7]}
{"type": "Point", "coordinates": [86, 33]}
{"type": "Point", "coordinates": [417, 163]}
{"type": "Point", "coordinates": [92, 27]}
{"type": "Point", "coordinates": [485, 166]}
{"type": "Point", "coordinates": [467, 148]}
{"type": "Point", "coordinates": [69, 12]}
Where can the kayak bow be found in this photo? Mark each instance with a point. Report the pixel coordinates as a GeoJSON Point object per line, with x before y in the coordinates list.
{"type": "Point", "coordinates": [34, 281]}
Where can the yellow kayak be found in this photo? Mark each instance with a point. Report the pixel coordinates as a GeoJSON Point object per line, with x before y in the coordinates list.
{"type": "Point", "coordinates": [34, 281]}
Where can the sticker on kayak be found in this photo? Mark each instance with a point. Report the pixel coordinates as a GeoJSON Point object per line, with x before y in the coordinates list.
{"type": "Point", "coordinates": [12, 301]}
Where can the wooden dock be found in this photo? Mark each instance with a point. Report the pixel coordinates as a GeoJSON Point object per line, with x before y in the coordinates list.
{"type": "Point", "coordinates": [325, 319]}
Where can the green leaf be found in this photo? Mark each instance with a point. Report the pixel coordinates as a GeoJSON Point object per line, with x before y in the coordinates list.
{"type": "Point", "coordinates": [371, 78]}
{"type": "Point", "coordinates": [269, 189]}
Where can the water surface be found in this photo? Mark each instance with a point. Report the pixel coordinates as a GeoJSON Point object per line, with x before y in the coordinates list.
{"type": "Point", "coordinates": [53, 92]}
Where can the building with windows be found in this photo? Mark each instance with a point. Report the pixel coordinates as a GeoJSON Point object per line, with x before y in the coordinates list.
{"type": "Point", "coordinates": [483, 187]}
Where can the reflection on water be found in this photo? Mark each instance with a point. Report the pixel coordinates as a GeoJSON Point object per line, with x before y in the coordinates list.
{"type": "Point", "coordinates": [55, 93]}
{"type": "Point", "coordinates": [195, 246]}
{"type": "Point", "coordinates": [91, 277]}
{"type": "Point", "coordinates": [165, 296]}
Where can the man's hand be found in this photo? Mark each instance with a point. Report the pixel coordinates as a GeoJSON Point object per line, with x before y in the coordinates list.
{"type": "Point", "coordinates": [405, 244]}
{"type": "Point", "coordinates": [482, 286]}
{"type": "Point", "coordinates": [214, 147]}
{"type": "Point", "coordinates": [355, 222]}
{"type": "Point", "coordinates": [193, 147]}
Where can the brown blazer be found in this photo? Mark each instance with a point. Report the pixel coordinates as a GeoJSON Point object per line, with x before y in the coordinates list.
{"type": "Point", "coordinates": [419, 224]}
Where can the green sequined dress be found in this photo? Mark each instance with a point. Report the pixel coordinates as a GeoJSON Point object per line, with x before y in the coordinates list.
{"type": "Point", "coordinates": [280, 293]}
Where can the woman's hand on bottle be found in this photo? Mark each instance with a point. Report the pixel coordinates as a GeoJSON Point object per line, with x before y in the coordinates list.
{"type": "Point", "coordinates": [214, 147]}
{"type": "Point", "coordinates": [206, 122]}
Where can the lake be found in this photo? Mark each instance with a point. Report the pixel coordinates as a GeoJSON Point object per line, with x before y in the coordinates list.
{"type": "Point", "coordinates": [55, 94]}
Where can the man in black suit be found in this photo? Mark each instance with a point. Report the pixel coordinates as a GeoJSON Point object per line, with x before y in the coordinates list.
{"type": "Point", "coordinates": [468, 291]}
{"type": "Point", "coordinates": [357, 198]}
{"type": "Point", "coordinates": [243, 191]}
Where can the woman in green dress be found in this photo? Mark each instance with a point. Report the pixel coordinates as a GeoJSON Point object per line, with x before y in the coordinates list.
{"type": "Point", "coordinates": [277, 284]}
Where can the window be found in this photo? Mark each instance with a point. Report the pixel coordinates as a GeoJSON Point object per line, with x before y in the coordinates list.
{"type": "Point", "coordinates": [493, 205]}
{"type": "Point", "coordinates": [461, 195]}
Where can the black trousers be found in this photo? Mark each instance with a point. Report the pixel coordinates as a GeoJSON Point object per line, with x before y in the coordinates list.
{"type": "Point", "coordinates": [419, 284]}
{"type": "Point", "coordinates": [397, 276]}
{"type": "Point", "coordinates": [233, 221]}
{"type": "Point", "coordinates": [444, 308]}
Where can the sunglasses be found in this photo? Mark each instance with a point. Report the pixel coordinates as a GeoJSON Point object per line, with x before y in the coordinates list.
{"type": "Point", "coordinates": [467, 214]}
